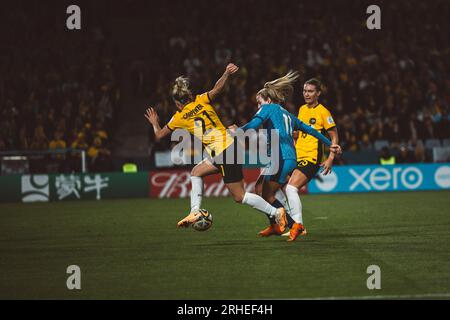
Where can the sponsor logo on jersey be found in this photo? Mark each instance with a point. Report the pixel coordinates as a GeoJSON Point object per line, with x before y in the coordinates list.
{"type": "Point", "coordinates": [330, 120]}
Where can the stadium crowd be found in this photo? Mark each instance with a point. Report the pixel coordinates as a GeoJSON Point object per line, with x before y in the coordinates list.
{"type": "Point", "coordinates": [387, 85]}
{"type": "Point", "coordinates": [58, 91]}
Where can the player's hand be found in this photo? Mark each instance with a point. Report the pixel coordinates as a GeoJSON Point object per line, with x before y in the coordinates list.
{"type": "Point", "coordinates": [326, 166]}
{"type": "Point", "coordinates": [231, 68]}
{"type": "Point", "coordinates": [152, 116]}
{"type": "Point", "coordinates": [335, 148]}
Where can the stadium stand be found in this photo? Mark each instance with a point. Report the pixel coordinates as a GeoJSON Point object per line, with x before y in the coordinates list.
{"type": "Point", "coordinates": [380, 86]}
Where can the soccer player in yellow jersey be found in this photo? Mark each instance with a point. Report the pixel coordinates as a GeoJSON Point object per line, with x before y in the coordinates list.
{"type": "Point", "coordinates": [197, 115]}
{"type": "Point", "coordinates": [310, 151]}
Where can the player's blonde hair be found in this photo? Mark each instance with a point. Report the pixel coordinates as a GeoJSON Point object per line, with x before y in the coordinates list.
{"type": "Point", "coordinates": [281, 89]}
{"type": "Point", "coordinates": [180, 90]}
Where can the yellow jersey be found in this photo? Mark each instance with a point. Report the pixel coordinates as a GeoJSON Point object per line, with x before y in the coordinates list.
{"type": "Point", "coordinates": [201, 120]}
{"type": "Point", "coordinates": [307, 147]}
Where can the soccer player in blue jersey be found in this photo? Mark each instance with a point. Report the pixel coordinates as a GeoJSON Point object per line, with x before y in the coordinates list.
{"type": "Point", "coordinates": [273, 116]}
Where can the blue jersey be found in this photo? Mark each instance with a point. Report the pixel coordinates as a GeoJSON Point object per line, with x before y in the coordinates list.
{"type": "Point", "coordinates": [274, 116]}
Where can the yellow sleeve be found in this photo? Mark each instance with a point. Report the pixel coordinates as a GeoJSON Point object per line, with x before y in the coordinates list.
{"type": "Point", "coordinates": [299, 112]}
{"type": "Point", "coordinates": [175, 122]}
{"type": "Point", "coordinates": [203, 98]}
{"type": "Point", "coordinates": [328, 121]}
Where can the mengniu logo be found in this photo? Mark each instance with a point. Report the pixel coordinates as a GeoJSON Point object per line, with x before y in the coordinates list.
{"type": "Point", "coordinates": [35, 188]}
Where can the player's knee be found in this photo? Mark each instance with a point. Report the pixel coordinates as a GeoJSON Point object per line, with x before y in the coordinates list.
{"type": "Point", "coordinates": [195, 173]}
{"type": "Point", "coordinates": [238, 198]}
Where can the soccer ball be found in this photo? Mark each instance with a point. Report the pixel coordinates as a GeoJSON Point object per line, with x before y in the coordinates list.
{"type": "Point", "coordinates": [204, 222]}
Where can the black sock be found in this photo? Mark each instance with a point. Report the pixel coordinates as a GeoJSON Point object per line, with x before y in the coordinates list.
{"type": "Point", "coordinates": [277, 204]}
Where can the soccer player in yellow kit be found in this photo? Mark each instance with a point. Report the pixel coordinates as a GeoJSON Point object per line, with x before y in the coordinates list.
{"type": "Point", "coordinates": [310, 151]}
{"type": "Point", "coordinates": [197, 115]}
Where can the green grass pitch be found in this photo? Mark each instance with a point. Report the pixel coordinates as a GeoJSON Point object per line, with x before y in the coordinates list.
{"type": "Point", "coordinates": [131, 249]}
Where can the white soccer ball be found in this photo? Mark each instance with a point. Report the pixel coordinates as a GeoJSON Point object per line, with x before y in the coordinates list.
{"type": "Point", "coordinates": [204, 222]}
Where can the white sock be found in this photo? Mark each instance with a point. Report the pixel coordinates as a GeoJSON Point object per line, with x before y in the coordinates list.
{"type": "Point", "coordinates": [295, 204]}
{"type": "Point", "coordinates": [256, 202]}
{"type": "Point", "coordinates": [196, 193]}
{"type": "Point", "coordinates": [281, 197]}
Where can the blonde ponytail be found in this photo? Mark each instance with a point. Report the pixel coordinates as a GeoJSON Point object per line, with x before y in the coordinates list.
{"type": "Point", "coordinates": [281, 89]}
{"type": "Point", "coordinates": [180, 91]}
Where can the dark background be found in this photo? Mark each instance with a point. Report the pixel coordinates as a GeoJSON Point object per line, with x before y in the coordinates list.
{"type": "Point", "coordinates": [88, 88]}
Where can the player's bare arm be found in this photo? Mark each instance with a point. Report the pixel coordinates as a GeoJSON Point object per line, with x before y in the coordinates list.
{"type": "Point", "coordinates": [153, 118]}
{"type": "Point", "coordinates": [220, 84]}
{"type": "Point", "coordinates": [295, 136]}
{"type": "Point", "coordinates": [328, 163]}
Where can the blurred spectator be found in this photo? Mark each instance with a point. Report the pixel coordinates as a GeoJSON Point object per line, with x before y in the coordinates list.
{"type": "Point", "coordinates": [405, 156]}
{"type": "Point", "coordinates": [2, 144]}
{"type": "Point", "coordinates": [99, 157]}
{"type": "Point", "coordinates": [58, 144]}
{"type": "Point", "coordinates": [23, 143]}
{"type": "Point", "coordinates": [386, 158]}
{"type": "Point", "coordinates": [39, 141]}
{"type": "Point", "coordinates": [419, 151]}
{"type": "Point", "coordinates": [79, 144]}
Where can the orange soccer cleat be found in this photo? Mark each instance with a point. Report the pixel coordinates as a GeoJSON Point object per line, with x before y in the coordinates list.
{"type": "Point", "coordinates": [190, 219]}
{"type": "Point", "coordinates": [287, 233]}
{"type": "Point", "coordinates": [296, 230]}
{"type": "Point", "coordinates": [277, 229]}
{"type": "Point", "coordinates": [269, 231]}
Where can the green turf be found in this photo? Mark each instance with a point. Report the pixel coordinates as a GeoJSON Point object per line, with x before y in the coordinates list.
{"type": "Point", "coordinates": [130, 249]}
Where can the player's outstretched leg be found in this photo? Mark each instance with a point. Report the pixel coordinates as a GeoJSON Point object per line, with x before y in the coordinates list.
{"type": "Point", "coordinates": [239, 195]}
